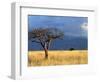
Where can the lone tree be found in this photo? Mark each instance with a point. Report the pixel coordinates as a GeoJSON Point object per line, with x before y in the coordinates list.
{"type": "Point", "coordinates": [44, 37]}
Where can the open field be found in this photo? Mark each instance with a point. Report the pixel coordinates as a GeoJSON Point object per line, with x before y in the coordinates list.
{"type": "Point", "coordinates": [37, 58]}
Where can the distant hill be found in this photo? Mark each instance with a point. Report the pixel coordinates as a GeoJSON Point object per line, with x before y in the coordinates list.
{"type": "Point", "coordinates": [78, 43]}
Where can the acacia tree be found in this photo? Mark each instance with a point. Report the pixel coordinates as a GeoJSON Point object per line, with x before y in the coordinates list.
{"type": "Point", "coordinates": [44, 37]}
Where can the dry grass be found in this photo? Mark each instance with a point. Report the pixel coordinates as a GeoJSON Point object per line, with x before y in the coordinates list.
{"type": "Point", "coordinates": [37, 58]}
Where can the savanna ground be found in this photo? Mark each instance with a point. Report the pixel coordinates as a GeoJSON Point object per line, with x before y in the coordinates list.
{"type": "Point", "coordinates": [37, 58]}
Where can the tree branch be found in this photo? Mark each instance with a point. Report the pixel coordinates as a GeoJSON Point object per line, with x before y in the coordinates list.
{"type": "Point", "coordinates": [36, 41]}
{"type": "Point", "coordinates": [42, 43]}
{"type": "Point", "coordinates": [48, 44]}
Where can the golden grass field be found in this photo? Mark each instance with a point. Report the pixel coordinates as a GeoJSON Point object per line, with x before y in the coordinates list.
{"type": "Point", "coordinates": [37, 58]}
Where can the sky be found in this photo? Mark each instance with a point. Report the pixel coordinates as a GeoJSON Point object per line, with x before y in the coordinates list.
{"type": "Point", "coordinates": [70, 25]}
{"type": "Point", "coordinates": [75, 31]}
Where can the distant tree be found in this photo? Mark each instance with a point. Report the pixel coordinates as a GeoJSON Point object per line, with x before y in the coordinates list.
{"type": "Point", "coordinates": [44, 37]}
{"type": "Point", "coordinates": [71, 49]}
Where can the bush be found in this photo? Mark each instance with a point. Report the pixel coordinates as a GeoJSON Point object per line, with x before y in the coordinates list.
{"type": "Point", "coordinates": [71, 49]}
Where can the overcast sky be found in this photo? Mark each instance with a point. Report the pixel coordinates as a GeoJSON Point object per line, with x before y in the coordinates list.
{"type": "Point", "coordinates": [73, 26]}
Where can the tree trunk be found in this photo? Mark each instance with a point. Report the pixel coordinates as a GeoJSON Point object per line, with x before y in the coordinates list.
{"type": "Point", "coordinates": [46, 53]}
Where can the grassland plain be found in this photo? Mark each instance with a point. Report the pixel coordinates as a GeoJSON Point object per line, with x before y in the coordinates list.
{"type": "Point", "coordinates": [59, 57]}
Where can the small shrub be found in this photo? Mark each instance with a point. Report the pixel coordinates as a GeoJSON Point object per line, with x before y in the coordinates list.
{"type": "Point", "coordinates": [71, 49]}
